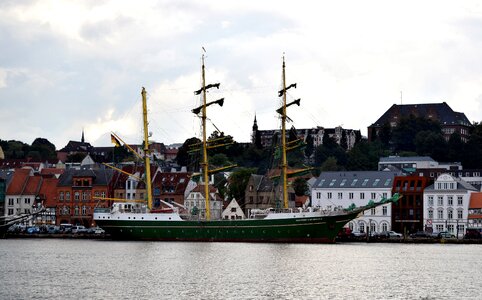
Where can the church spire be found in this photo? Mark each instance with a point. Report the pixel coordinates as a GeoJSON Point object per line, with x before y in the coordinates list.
{"type": "Point", "coordinates": [82, 139]}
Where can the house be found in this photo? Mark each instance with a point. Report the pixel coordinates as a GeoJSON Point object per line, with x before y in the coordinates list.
{"type": "Point", "coordinates": [170, 187]}
{"type": "Point", "coordinates": [233, 211]}
{"type": "Point", "coordinates": [195, 202]}
{"type": "Point", "coordinates": [449, 120]}
{"type": "Point", "coordinates": [21, 192]}
{"type": "Point", "coordinates": [337, 190]}
{"type": "Point", "coordinates": [79, 192]}
{"type": "Point", "coordinates": [259, 193]}
{"type": "Point", "coordinates": [407, 213]}
{"type": "Point", "coordinates": [339, 134]}
{"type": "Point", "coordinates": [446, 204]}
{"type": "Point", "coordinates": [475, 211]}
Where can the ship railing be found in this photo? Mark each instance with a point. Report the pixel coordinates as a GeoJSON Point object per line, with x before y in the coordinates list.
{"type": "Point", "coordinates": [102, 210]}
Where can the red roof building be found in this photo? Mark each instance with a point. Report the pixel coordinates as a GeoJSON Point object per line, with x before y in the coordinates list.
{"type": "Point", "coordinates": [475, 211]}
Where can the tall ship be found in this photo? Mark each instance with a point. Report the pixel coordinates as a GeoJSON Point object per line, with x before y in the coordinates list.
{"type": "Point", "coordinates": [138, 220]}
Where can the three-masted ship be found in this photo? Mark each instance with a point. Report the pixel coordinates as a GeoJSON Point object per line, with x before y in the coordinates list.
{"type": "Point", "coordinates": [139, 221]}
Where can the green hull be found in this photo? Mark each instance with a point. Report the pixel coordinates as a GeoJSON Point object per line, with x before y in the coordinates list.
{"type": "Point", "coordinates": [294, 230]}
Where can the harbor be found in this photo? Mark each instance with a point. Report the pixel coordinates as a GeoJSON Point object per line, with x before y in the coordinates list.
{"type": "Point", "coordinates": [103, 269]}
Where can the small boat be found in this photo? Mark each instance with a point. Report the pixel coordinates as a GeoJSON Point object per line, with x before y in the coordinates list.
{"type": "Point", "coordinates": [139, 221]}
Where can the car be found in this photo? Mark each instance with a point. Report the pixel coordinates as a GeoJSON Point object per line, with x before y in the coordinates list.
{"type": "Point", "coordinates": [53, 229]}
{"type": "Point", "coordinates": [358, 234]}
{"type": "Point", "coordinates": [33, 229]}
{"type": "Point", "coordinates": [421, 234]}
{"type": "Point", "coordinates": [472, 233]}
{"type": "Point", "coordinates": [445, 235]}
{"type": "Point", "coordinates": [99, 230]}
{"type": "Point", "coordinates": [391, 234]}
{"type": "Point", "coordinates": [79, 229]}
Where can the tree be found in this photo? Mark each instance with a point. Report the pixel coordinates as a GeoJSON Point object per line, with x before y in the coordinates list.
{"type": "Point", "coordinates": [310, 148]}
{"type": "Point", "coordinates": [300, 186]}
{"type": "Point", "coordinates": [385, 135]}
{"type": "Point", "coordinates": [185, 153]}
{"type": "Point", "coordinates": [365, 156]}
{"type": "Point", "coordinates": [330, 164]}
{"type": "Point", "coordinates": [44, 148]}
{"type": "Point", "coordinates": [403, 136]}
{"type": "Point", "coordinates": [238, 180]}
{"type": "Point", "coordinates": [343, 141]}
{"type": "Point", "coordinates": [431, 143]}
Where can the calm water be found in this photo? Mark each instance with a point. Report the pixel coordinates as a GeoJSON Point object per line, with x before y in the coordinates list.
{"type": "Point", "coordinates": [92, 269]}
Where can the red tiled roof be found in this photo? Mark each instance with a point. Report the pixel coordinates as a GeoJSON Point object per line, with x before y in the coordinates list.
{"type": "Point", "coordinates": [200, 189]}
{"type": "Point", "coordinates": [19, 179]}
{"type": "Point", "coordinates": [48, 190]}
{"type": "Point", "coordinates": [32, 186]}
{"type": "Point", "coordinates": [475, 200]}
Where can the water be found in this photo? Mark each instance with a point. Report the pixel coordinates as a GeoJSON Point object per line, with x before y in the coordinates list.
{"type": "Point", "coordinates": [97, 269]}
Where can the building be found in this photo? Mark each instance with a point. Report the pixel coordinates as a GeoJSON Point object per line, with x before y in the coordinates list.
{"type": "Point", "coordinates": [21, 192]}
{"type": "Point", "coordinates": [475, 211]}
{"type": "Point", "coordinates": [79, 192]}
{"type": "Point", "coordinates": [195, 203]}
{"type": "Point", "coordinates": [170, 187]}
{"type": "Point", "coordinates": [449, 120]}
{"type": "Point", "coordinates": [259, 193]}
{"type": "Point", "coordinates": [408, 164]}
{"type": "Point", "coordinates": [446, 204]}
{"type": "Point", "coordinates": [407, 213]}
{"type": "Point", "coordinates": [337, 190]}
{"type": "Point", "coordinates": [340, 135]}
{"type": "Point", "coordinates": [233, 211]}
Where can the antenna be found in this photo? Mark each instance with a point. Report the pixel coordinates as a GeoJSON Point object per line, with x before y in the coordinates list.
{"type": "Point", "coordinates": [401, 98]}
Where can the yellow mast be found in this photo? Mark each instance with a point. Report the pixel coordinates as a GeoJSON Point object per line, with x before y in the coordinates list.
{"type": "Point", "coordinates": [146, 151]}
{"type": "Point", "coordinates": [284, 164]}
{"type": "Point", "coordinates": [204, 163]}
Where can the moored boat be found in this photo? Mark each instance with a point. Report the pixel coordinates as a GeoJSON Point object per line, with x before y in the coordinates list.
{"type": "Point", "coordinates": [139, 221]}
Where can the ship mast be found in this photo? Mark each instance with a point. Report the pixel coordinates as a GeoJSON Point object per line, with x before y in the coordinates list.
{"type": "Point", "coordinates": [205, 164]}
{"type": "Point", "coordinates": [146, 150]}
{"type": "Point", "coordinates": [284, 163]}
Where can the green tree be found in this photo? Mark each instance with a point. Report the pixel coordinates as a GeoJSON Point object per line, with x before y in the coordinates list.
{"type": "Point", "coordinates": [431, 143]}
{"type": "Point", "coordinates": [330, 164]}
{"type": "Point", "coordinates": [238, 180]}
{"type": "Point", "coordinates": [44, 148]}
{"type": "Point", "coordinates": [187, 152]}
{"type": "Point", "coordinates": [365, 156]}
{"type": "Point", "coordinates": [300, 186]}
{"type": "Point", "coordinates": [310, 148]}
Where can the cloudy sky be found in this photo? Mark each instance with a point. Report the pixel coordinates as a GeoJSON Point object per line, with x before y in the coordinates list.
{"type": "Point", "coordinates": [72, 65]}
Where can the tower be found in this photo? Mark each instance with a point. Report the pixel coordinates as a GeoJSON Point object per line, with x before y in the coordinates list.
{"type": "Point", "coordinates": [255, 130]}
{"type": "Point", "coordinates": [82, 140]}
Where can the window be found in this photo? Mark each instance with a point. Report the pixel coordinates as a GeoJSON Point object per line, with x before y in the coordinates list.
{"type": "Point", "coordinates": [374, 196]}
{"type": "Point", "coordinates": [430, 214]}
{"type": "Point", "coordinates": [372, 227]}
{"type": "Point", "coordinates": [84, 196]}
{"type": "Point", "coordinates": [460, 214]}
{"type": "Point", "coordinates": [384, 227]}
{"type": "Point", "coordinates": [343, 182]}
{"type": "Point", "coordinates": [387, 183]}
{"type": "Point", "coordinates": [27, 210]}
{"type": "Point", "coordinates": [430, 200]}
{"type": "Point", "coordinates": [460, 229]}
{"type": "Point", "coordinates": [233, 209]}
{"type": "Point", "coordinates": [439, 227]}
{"type": "Point", "coordinates": [450, 200]}
{"type": "Point", "coordinates": [76, 196]}
{"type": "Point", "coordinates": [362, 196]}
{"type": "Point", "coordinates": [350, 195]}
{"type": "Point", "coordinates": [362, 227]}
{"type": "Point", "coordinates": [328, 195]}
{"type": "Point", "coordinates": [365, 182]}
{"type": "Point", "coordinates": [61, 196]}
{"type": "Point", "coordinates": [450, 214]}
{"type": "Point", "coordinates": [440, 214]}
{"type": "Point", "coordinates": [10, 211]}
{"type": "Point", "coordinates": [385, 195]}
{"type": "Point", "coordinates": [340, 195]}
{"type": "Point", "coordinates": [460, 200]}
{"type": "Point", "coordinates": [84, 210]}
{"type": "Point", "coordinates": [102, 194]}
{"type": "Point", "coordinates": [440, 200]}
{"type": "Point", "coordinates": [67, 196]}
{"type": "Point", "coordinates": [27, 200]}
{"type": "Point", "coordinates": [372, 211]}
{"type": "Point", "coordinates": [384, 210]}
{"type": "Point", "coordinates": [318, 195]}
{"type": "Point", "coordinates": [10, 201]}
{"type": "Point", "coordinates": [450, 228]}
{"type": "Point", "coordinates": [353, 183]}
{"type": "Point", "coordinates": [332, 182]}
{"type": "Point", "coordinates": [376, 182]}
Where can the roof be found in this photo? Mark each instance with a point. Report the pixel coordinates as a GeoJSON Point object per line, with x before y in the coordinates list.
{"type": "Point", "coordinates": [440, 112]}
{"type": "Point", "coordinates": [102, 177]}
{"type": "Point", "coordinates": [48, 189]}
{"type": "Point", "coordinates": [74, 146]}
{"type": "Point", "coordinates": [51, 171]}
{"type": "Point", "coordinates": [18, 181]}
{"type": "Point", "coordinates": [32, 186]}
{"type": "Point", "coordinates": [176, 181]}
{"type": "Point", "coordinates": [356, 180]}
{"type": "Point", "coordinates": [475, 200]}
{"type": "Point", "coordinates": [405, 159]}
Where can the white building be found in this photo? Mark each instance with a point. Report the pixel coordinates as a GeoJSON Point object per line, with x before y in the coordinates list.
{"type": "Point", "coordinates": [195, 202]}
{"type": "Point", "coordinates": [446, 204]}
{"type": "Point", "coordinates": [233, 211]}
{"type": "Point", "coordinates": [337, 190]}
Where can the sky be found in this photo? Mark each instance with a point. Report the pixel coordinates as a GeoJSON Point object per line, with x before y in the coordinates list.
{"type": "Point", "coordinates": [68, 66]}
